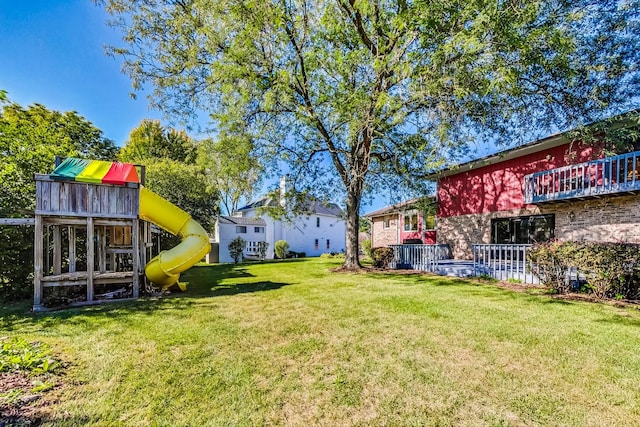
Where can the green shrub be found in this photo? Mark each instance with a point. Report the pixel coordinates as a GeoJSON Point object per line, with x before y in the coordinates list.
{"type": "Point", "coordinates": [16, 354]}
{"type": "Point", "coordinates": [552, 261]}
{"type": "Point", "coordinates": [366, 248]}
{"type": "Point", "coordinates": [281, 247]}
{"type": "Point", "coordinates": [236, 248]}
{"type": "Point", "coordinates": [332, 255]}
{"type": "Point", "coordinates": [381, 257]}
{"type": "Point", "coordinates": [16, 263]}
{"type": "Point", "coordinates": [611, 270]}
{"type": "Point", "coordinates": [262, 250]}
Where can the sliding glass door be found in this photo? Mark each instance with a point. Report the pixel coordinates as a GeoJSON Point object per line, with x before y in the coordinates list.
{"type": "Point", "coordinates": [523, 229]}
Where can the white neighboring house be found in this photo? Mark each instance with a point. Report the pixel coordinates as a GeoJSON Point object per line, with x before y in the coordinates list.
{"type": "Point", "coordinates": [321, 229]}
{"type": "Point", "coordinates": [252, 231]}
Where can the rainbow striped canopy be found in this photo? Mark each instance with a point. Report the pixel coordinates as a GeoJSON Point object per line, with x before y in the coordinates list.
{"type": "Point", "coordinates": [95, 171]}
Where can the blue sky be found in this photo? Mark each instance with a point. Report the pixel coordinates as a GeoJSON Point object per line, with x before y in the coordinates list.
{"type": "Point", "coordinates": [52, 53]}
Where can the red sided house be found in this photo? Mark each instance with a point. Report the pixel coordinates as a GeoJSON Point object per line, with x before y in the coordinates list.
{"type": "Point", "coordinates": [402, 223]}
{"type": "Point", "coordinates": [550, 188]}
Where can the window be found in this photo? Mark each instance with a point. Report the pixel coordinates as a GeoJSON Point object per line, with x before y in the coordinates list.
{"type": "Point", "coordinates": [241, 228]}
{"type": "Point", "coordinates": [317, 222]}
{"type": "Point", "coordinates": [386, 223]}
{"type": "Point", "coordinates": [411, 222]}
{"type": "Point", "coordinates": [430, 222]}
{"type": "Point", "coordinates": [523, 230]}
{"type": "Point", "coordinates": [251, 248]}
{"type": "Point", "coordinates": [258, 229]}
{"type": "Point", "coordinates": [328, 244]}
{"type": "Point", "coordinates": [316, 245]}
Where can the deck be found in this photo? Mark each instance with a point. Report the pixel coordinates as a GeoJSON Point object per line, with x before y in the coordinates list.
{"type": "Point", "coordinates": [615, 175]}
{"type": "Point", "coordinates": [502, 262]}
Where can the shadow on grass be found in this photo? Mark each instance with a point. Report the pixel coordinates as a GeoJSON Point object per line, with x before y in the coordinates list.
{"type": "Point", "coordinates": [203, 281]}
{"type": "Point", "coordinates": [242, 288]}
{"type": "Point", "coordinates": [620, 320]}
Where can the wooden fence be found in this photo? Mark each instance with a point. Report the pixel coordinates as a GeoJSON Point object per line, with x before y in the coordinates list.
{"type": "Point", "coordinates": [418, 257]}
{"type": "Point", "coordinates": [504, 262]}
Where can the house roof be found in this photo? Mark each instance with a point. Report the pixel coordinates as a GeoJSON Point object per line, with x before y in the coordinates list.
{"type": "Point", "coordinates": [262, 202]}
{"type": "Point", "coordinates": [536, 146]}
{"type": "Point", "coordinates": [241, 220]}
{"type": "Point", "coordinates": [513, 153]}
{"type": "Point", "coordinates": [395, 208]}
{"type": "Point", "coordinates": [310, 206]}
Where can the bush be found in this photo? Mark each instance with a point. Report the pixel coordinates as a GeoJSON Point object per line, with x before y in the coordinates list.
{"type": "Point", "coordinates": [236, 248]}
{"type": "Point", "coordinates": [366, 248]}
{"type": "Point", "coordinates": [382, 257]}
{"type": "Point", "coordinates": [611, 270]}
{"type": "Point", "coordinates": [262, 250]}
{"type": "Point", "coordinates": [332, 255]}
{"type": "Point", "coordinates": [16, 354]}
{"type": "Point", "coordinates": [16, 263]}
{"type": "Point", "coordinates": [294, 254]}
{"type": "Point", "coordinates": [552, 262]}
{"type": "Point", "coordinates": [281, 247]}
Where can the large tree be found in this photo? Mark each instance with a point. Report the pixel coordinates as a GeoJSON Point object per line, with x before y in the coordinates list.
{"type": "Point", "coordinates": [231, 168]}
{"type": "Point", "coordinates": [151, 140]}
{"type": "Point", "coordinates": [169, 157]}
{"type": "Point", "coordinates": [368, 90]}
{"type": "Point", "coordinates": [30, 139]}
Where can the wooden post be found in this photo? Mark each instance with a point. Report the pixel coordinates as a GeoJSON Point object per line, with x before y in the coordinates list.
{"type": "Point", "coordinates": [90, 258]}
{"type": "Point", "coordinates": [46, 252]}
{"type": "Point", "coordinates": [72, 249]}
{"type": "Point", "coordinates": [112, 256]}
{"type": "Point", "coordinates": [102, 248]}
{"type": "Point", "coordinates": [135, 243]}
{"type": "Point", "coordinates": [57, 250]}
{"type": "Point", "coordinates": [37, 263]}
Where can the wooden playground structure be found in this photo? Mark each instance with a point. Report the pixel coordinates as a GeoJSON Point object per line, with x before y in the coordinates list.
{"type": "Point", "coordinates": [89, 235]}
{"type": "Point", "coordinates": [97, 235]}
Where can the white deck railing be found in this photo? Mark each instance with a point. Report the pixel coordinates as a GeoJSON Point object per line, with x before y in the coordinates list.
{"type": "Point", "coordinates": [504, 262]}
{"type": "Point", "coordinates": [603, 176]}
{"type": "Point", "coordinates": [418, 257]}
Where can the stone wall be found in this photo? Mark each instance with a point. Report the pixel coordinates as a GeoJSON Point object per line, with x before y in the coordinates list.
{"type": "Point", "coordinates": [381, 236]}
{"type": "Point", "coordinates": [609, 219]}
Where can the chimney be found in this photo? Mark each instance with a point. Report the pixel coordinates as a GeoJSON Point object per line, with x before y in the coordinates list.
{"type": "Point", "coordinates": [283, 190]}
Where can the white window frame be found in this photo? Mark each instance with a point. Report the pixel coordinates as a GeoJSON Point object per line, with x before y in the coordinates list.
{"type": "Point", "coordinates": [409, 225]}
{"type": "Point", "coordinates": [386, 222]}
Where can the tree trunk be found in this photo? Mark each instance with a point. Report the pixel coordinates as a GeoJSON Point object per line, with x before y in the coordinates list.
{"type": "Point", "coordinates": [351, 260]}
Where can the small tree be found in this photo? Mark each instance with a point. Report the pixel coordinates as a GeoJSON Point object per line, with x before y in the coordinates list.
{"type": "Point", "coordinates": [262, 250]}
{"type": "Point", "coordinates": [281, 249]}
{"type": "Point", "coordinates": [236, 247]}
{"type": "Point", "coordinates": [382, 257]}
{"type": "Point", "coordinates": [366, 248]}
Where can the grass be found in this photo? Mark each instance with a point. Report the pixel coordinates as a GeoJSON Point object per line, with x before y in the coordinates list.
{"type": "Point", "coordinates": [290, 343]}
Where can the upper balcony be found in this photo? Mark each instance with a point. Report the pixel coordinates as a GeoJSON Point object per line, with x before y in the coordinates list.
{"type": "Point", "coordinates": [611, 175]}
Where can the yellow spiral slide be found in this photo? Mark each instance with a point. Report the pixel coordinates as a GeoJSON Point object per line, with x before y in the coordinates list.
{"type": "Point", "coordinates": [164, 270]}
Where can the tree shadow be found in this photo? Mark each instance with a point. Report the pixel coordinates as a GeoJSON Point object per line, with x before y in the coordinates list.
{"type": "Point", "coordinates": [242, 288]}
{"type": "Point", "coordinates": [205, 281]}
{"type": "Point", "coordinates": [618, 319]}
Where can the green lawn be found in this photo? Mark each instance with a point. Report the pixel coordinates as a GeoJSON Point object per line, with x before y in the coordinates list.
{"type": "Point", "coordinates": [290, 343]}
